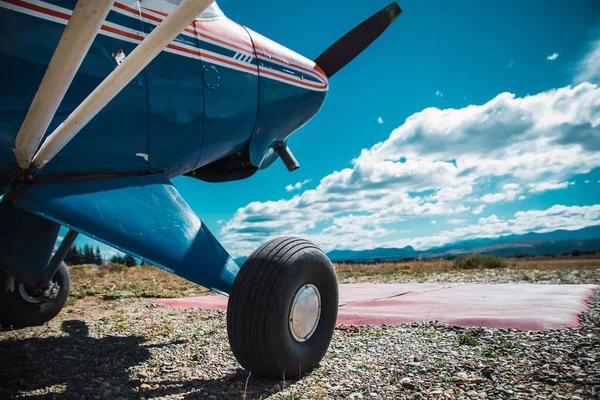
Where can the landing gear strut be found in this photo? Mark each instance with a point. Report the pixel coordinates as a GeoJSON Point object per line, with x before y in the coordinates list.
{"type": "Point", "coordinates": [282, 309]}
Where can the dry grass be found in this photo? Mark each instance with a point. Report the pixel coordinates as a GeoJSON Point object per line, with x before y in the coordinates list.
{"type": "Point", "coordinates": [423, 266]}
{"type": "Point", "coordinates": [579, 263]}
{"type": "Point", "coordinates": [117, 281]}
{"type": "Point", "coordinates": [538, 269]}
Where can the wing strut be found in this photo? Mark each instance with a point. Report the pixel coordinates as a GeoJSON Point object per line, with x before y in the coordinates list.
{"type": "Point", "coordinates": [72, 48]}
{"type": "Point", "coordinates": [139, 58]}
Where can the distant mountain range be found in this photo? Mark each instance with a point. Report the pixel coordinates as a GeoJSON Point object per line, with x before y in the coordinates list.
{"type": "Point", "coordinates": [556, 242]}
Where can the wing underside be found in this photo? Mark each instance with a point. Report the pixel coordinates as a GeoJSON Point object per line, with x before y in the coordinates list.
{"type": "Point", "coordinates": [144, 216]}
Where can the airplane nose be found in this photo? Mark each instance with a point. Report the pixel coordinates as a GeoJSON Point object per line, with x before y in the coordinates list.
{"type": "Point", "coordinates": [292, 90]}
{"type": "Point", "coordinates": [319, 71]}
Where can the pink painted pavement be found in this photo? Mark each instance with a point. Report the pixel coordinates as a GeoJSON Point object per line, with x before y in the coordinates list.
{"type": "Point", "coordinates": [521, 306]}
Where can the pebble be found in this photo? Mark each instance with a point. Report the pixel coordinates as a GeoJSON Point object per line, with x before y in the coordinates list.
{"type": "Point", "coordinates": [173, 354]}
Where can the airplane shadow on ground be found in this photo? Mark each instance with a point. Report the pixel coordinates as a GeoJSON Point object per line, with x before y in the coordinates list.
{"type": "Point", "coordinates": [77, 366]}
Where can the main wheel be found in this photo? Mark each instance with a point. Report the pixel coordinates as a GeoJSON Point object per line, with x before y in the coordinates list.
{"type": "Point", "coordinates": [282, 309]}
{"type": "Point", "coordinates": [22, 305]}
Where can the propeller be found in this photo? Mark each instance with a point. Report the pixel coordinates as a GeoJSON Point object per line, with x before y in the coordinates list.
{"type": "Point", "coordinates": [357, 40]}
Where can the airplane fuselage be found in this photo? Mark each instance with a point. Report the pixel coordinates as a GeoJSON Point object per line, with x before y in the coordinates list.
{"type": "Point", "coordinates": [218, 89]}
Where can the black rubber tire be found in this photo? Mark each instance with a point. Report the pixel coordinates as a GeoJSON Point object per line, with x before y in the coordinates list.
{"type": "Point", "coordinates": [17, 312]}
{"type": "Point", "coordinates": [259, 307]}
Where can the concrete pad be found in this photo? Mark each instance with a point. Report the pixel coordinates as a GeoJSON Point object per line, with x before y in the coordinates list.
{"type": "Point", "coordinates": [521, 306]}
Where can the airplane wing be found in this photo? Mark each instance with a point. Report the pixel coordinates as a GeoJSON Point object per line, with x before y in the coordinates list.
{"type": "Point", "coordinates": [146, 216]}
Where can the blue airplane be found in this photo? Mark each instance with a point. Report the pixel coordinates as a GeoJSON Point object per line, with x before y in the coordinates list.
{"type": "Point", "coordinates": [103, 102]}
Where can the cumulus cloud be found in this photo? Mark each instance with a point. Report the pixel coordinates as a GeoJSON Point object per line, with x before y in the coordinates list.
{"type": "Point", "coordinates": [297, 185]}
{"type": "Point", "coordinates": [588, 69]}
{"type": "Point", "coordinates": [510, 191]}
{"type": "Point", "coordinates": [493, 198]}
{"type": "Point", "coordinates": [433, 222]}
{"type": "Point", "coordinates": [479, 209]}
{"type": "Point", "coordinates": [456, 221]}
{"type": "Point", "coordinates": [539, 221]}
{"type": "Point", "coordinates": [545, 186]}
{"type": "Point", "coordinates": [380, 120]}
{"type": "Point", "coordinates": [552, 57]}
{"type": "Point", "coordinates": [511, 63]}
{"type": "Point", "coordinates": [437, 163]}
{"type": "Point", "coordinates": [439, 94]}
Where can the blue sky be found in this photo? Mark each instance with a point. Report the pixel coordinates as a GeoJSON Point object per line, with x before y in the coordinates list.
{"type": "Point", "coordinates": [485, 123]}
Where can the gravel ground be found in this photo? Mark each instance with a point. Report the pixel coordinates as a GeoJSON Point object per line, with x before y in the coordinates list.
{"type": "Point", "coordinates": [131, 348]}
{"type": "Point", "coordinates": [555, 276]}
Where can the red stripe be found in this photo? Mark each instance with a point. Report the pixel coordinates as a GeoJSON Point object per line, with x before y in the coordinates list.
{"type": "Point", "coordinates": [292, 64]}
{"type": "Point", "coordinates": [66, 17]}
{"type": "Point", "coordinates": [159, 20]}
{"type": "Point", "coordinates": [205, 27]}
{"type": "Point", "coordinates": [225, 43]}
{"type": "Point", "coordinates": [116, 31]}
{"type": "Point", "coordinates": [320, 70]}
{"type": "Point", "coordinates": [226, 61]}
{"type": "Point", "coordinates": [267, 72]}
{"type": "Point", "coordinates": [122, 33]}
{"type": "Point", "coordinates": [43, 10]}
{"type": "Point", "coordinates": [164, 14]}
{"type": "Point", "coordinates": [209, 27]}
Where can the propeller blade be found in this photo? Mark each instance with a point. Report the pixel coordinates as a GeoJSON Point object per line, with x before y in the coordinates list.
{"type": "Point", "coordinates": [357, 40]}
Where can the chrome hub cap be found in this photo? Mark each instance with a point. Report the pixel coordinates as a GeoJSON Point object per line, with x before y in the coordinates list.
{"type": "Point", "coordinates": [305, 312]}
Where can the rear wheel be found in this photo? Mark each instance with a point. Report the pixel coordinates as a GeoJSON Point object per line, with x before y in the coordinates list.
{"type": "Point", "coordinates": [22, 305]}
{"type": "Point", "coordinates": [282, 309]}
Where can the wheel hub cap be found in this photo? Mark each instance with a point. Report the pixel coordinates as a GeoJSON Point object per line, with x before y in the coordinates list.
{"type": "Point", "coordinates": [49, 293]}
{"type": "Point", "coordinates": [305, 312]}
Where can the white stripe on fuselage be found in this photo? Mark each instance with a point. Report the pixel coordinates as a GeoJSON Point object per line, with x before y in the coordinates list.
{"type": "Point", "coordinates": [192, 51]}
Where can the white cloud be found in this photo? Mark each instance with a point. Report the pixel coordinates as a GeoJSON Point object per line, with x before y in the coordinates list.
{"type": "Point", "coordinates": [552, 57]}
{"type": "Point", "coordinates": [492, 219]}
{"type": "Point", "coordinates": [451, 193]}
{"type": "Point", "coordinates": [510, 191]}
{"type": "Point", "coordinates": [297, 185]}
{"type": "Point", "coordinates": [439, 94]}
{"type": "Point", "coordinates": [493, 198]}
{"type": "Point", "coordinates": [453, 155]}
{"type": "Point", "coordinates": [545, 186]}
{"type": "Point", "coordinates": [479, 209]}
{"type": "Point", "coordinates": [586, 181]}
{"type": "Point", "coordinates": [456, 221]}
{"type": "Point", "coordinates": [220, 222]}
{"type": "Point", "coordinates": [511, 63]}
{"type": "Point", "coordinates": [380, 120]}
{"type": "Point", "coordinates": [433, 222]}
{"type": "Point", "coordinates": [539, 221]}
{"type": "Point", "coordinates": [522, 197]}
{"type": "Point", "coordinates": [588, 69]}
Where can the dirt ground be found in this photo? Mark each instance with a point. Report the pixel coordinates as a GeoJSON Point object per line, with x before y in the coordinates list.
{"type": "Point", "coordinates": [112, 342]}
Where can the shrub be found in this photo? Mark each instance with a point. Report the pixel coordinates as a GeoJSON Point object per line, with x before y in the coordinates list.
{"type": "Point", "coordinates": [478, 261]}
{"type": "Point", "coordinates": [467, 340]}
{"type": "Point", "coordinates": [113, 268]}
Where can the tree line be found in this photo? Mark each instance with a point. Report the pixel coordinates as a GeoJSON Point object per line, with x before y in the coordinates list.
{"type": "Point", "coordinates": [88, 255]}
